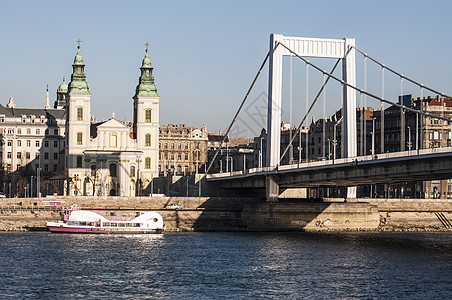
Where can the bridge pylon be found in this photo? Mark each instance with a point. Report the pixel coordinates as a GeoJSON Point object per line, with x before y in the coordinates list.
{"type": "Point", "coordinates": [308, 47]}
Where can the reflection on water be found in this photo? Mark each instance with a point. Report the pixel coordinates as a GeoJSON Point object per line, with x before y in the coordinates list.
{"type": "Point", "coordinates": [226, 265]}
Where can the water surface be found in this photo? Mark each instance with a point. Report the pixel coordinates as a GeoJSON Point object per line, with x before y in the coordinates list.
{"type": "Point", "coordinates": [226, 265]}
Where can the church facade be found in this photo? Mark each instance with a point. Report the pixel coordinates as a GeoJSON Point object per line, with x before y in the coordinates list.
{"type": "Point", "coordinates": [112, 157]}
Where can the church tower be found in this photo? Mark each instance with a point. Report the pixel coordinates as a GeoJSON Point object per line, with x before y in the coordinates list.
{"type": "Point", "coordinates": [146, 122]}
{"type": "Point", "coordinates": [78, 114]}
{"type": "Point", "coordinates": [60, 102]}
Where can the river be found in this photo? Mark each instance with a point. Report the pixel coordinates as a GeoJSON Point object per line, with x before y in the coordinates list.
{"type": "Point", "coordinates": [226, 266]}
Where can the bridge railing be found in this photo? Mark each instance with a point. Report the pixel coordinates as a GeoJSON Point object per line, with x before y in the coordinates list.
{"type": "Point", "coordinates": [325, 163]}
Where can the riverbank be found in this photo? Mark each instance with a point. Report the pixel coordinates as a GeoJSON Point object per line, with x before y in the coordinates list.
{"type": "Point", "coordinates": [243, 214]}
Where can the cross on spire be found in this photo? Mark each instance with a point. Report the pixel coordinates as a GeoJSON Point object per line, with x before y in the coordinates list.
{"type": "Point", "coordinates": [78, 41]}
{"type": "Point", "coordinates": [147, 45]}
{"type": "Point", "coordinates": [113, 114]}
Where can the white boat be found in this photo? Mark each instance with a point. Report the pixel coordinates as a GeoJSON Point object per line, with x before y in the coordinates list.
{"type": "Point", "coordinates": [83, 221]}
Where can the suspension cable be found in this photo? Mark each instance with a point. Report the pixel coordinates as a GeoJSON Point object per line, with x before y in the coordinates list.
{"type": "Point", "coordinates": [400, 75]}
{"type": "Point", "coordinates": [313, 102]}
{"type": "Point", "coordinates": [270, 52]}
{"type": "Point", "coordinates": [367, 93]}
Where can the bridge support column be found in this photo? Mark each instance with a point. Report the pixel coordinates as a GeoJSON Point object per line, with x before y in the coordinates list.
{"type": "Point", "coordinates": [271, 189]}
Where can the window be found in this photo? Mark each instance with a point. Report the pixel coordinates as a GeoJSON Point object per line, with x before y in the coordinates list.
{"type": "Point", "coordinates": [24, 119]}
{"type": "Point", "coordinates": [55, 168]}
{"type": "Point", "coordinates": [33, 119]}
{"type": "Point", "coordinates": [46, 168]}
{"type": "Point", "coordinates": [19, 155]}
{"type": "Point", "coordinates": [38, 131]}
{"type": "Point", "coordinates": [79, 161]}
{"type": "Point", "coordinates": [19, 143]}
{"type": "Point", "coordinates": [148, 114]}
{"type": "Point", "coordinates": [147, 141]}
{"type": "Point", "coordinates": [28, 143]}
{"type": "Point", "coordinates": [2, 118]}
{"type": "Point", "coordinates": [147, 163]}
{"type": "Point", "coordinates": [46, 132]}
{"type": "Point", "coordinates": [132, 171]}
{"type": "Point", "coordinates": [160, 145]}
{"type": "Point", "coordinates": [93, 170]}
{"type": "Point", "coordinates": [166, 145]}
{"type": "Point", "coordinates": [19, 130]}
{"type": "Point", "coordinates": [37, 155]}
{"type": "Point", "coordinates": [79, 138]}
{"type": "Point", "coordinates": [46, 155]}
{"type": "Point", "coordinates": [8, 155]}
{"type": "Point", "coordinates": [9, 143]}
{"type": "Point", "coordinates": [55, 144]}
{"type": "Point", "coordinates": [55, 131]}
{"type": "Point", "coordinates": [27, 155]}
{"type": "Point", "coordinates": [113, 170]}
{"type": "Point", "coordinates": [79, 113]}
{"type": "Point", "coordinates": [37, 143]}
{"type": "Point", "coordinates": [28, 130]}
{"type": "Point", "coordinates": [172, 145]}
{"type": "Point", "coordinates": [113, 140]}
{"type": "Point", "coordinates": [179, 146]}
{"type": "Point", "coordinates": [46, 144]}
{"type": "Point", "coordinates": [186, 146]}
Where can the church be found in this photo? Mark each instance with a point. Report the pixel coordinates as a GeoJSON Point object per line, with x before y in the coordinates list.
{"type": "Point", "coordinates": [110, 158]}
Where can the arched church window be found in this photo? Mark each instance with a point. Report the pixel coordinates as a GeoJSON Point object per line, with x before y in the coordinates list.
{"type": "Point", "coordinates": [113, 170]}
{"type": "Point", "coordinates": [147, 140]}
{"type": "Point", "coordinates": [79, 113]}
{"type": "Point", "coordinates": [148, 115]}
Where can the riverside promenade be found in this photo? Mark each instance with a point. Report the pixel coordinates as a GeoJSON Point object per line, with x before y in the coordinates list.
{"type": "Point", "coordinates": [241, 214]}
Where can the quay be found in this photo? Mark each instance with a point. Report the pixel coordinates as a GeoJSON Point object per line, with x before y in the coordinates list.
{"type": "Point", "coordinates": [242, 213]}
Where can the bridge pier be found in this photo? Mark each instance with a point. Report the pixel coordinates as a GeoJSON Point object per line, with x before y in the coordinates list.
{"type": "Point", "coordinates": [271, 189]}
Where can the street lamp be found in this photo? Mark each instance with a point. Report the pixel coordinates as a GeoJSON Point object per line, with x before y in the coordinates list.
{"type": "Point", "coordinates": [38, 180]}
{"type": "Point", "coordinates": [409, 138]}
{"type": "Point", "coordinates": [373, 135]}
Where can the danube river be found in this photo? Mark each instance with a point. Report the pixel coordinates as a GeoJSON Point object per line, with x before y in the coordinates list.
{"type": "Point", "coordinates": [226, 265]}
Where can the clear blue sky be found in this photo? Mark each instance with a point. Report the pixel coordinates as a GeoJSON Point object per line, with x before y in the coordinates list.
{"type": "Point", "coordinates": [205, 53]}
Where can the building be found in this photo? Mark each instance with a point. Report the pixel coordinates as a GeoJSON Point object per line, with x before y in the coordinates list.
{"type": "Point", "coordinates": [182, 150]}
{"type": "Point", "coordinates": [233, 155]}
{"type": "Point", "coordinates": [68, 148]}
{"type": "Point", "coordinates": [31, 145]}
{"type": "Point", "coordinates": [111, 158]}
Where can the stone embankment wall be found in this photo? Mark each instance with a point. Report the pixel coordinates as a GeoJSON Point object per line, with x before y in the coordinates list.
{"type": "Point", "coordinates": [240, 214]}
{"type": "Point", "coordinates": [414, 214]}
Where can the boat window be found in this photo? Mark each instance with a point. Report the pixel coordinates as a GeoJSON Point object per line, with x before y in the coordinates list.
{"type": "Point", "coordinates": [121, 225]}
{"type": "Point", "coordinates": [114, 224]}
{"type": "Point", "coordinates": [83, 223]}
{"type": "Point", "coordinates": [106, 224]}
{"type": "Point", "coordinates": [136, 224]}
{"type": "Point", "coordinates": [155, 220]}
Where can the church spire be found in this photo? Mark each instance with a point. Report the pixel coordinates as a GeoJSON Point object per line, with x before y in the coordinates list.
{"type": "Point", "coordinates": [47, 104]}
{"type": "Point", "coordinates": [146, 86]}
{"type": "Point", "coordinates": [78, 84]}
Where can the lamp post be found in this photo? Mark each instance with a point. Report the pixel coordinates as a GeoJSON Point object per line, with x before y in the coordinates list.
{"type": "Point", "coordinates": [299, 146]}
{"type": "Point", "coordinates": [197, 162]}
{"type": "Point", "coordinates": [409, 138]}
{"type": "Point", "coordinates": [38, 180]}
{"type": "Point", "coordinates": [373, 135]}
{"type": "Point", "coordinates": [260, 153]}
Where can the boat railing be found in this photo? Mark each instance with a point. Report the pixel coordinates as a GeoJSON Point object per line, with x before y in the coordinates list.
{"type": "Point", "coordinates": [14, 207]}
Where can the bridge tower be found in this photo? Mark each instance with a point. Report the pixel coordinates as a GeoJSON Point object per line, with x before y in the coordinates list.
{"type": "Point", "coordinates": [308, 47]}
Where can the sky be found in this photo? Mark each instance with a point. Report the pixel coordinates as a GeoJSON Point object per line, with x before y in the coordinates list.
{"type": "Point", "coordinates": [206, 53]}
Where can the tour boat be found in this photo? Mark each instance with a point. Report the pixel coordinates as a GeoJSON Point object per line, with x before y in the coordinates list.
{"type": "Point", "coordinates": [83, 221]}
